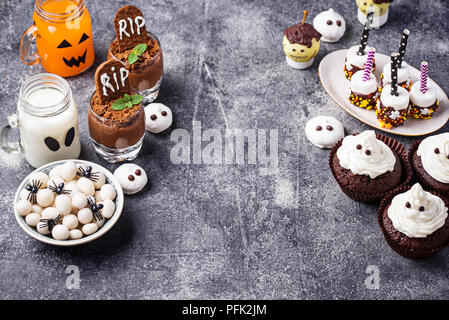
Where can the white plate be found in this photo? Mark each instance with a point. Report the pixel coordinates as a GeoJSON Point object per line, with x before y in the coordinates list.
{"type": "Point", "coordinates": [337, 86]}
{"type": "Point", "coordinates": [119, 200]}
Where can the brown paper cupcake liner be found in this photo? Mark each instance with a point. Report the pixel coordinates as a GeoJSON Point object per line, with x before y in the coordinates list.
{"type": "Point", "coordinates": [421, 179]}
{"type": "Point", "coordinates": [359, 196]}
{"type": "Point", "coordinates": [406, 251]}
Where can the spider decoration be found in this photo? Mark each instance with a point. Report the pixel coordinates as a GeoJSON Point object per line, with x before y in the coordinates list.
{"type": "Point", "coordinates": [32, 189]}
{"type": "Point", "coordinates": [88, 173]}
{"type": "Point", "coordinates": [59, 189]}
{"type": "Point", "coordinates": [95, 208]}
{"type": "Point", "coordinates": [49, 223]}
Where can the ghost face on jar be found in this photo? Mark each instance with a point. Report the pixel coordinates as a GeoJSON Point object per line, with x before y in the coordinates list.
{"type": "Point", "coordinates": [47, 118]}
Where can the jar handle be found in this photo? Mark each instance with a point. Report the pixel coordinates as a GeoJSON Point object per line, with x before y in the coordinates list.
{"type": "Point", "coordinates": [28, 38]}
{"type": "Point", "coordinates": [5, 144]}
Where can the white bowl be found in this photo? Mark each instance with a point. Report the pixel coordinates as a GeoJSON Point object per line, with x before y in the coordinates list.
{"type": "Point", "coordinates": [119, 200]}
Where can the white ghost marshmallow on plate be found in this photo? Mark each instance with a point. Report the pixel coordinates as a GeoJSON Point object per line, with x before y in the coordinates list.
{"type": "Point", "coordinates": [158, 117]}
{"type": "Point", "coordinates": [330, 24]}
{"type": "Point", "coordinates": [324, 131]}
{"type": "Point", "coordinates": [131, 177]}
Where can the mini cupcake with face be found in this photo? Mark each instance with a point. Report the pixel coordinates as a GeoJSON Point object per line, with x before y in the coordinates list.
{"type": "Point", "coordinates": [380, 8]}
{"type": "Point", "coordinates": [430, 162]}
{"type": "Point", "coordinates": [414, 222]}
{"type": "Point", "coordinates": [367, 166]}
{"type": "Point", "coordinates": [301, 44]}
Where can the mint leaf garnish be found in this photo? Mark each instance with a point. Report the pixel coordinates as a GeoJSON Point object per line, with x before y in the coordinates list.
{"type": "Point", "coordinates": [127, 101]}
{"type": "Point", "coordinates": [136, 52]}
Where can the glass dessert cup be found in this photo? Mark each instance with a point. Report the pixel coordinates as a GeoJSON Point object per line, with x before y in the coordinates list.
{"type": "Point", "coordinates": [145, 76]}
{"type": "Point", "coordinates": [117, 140]}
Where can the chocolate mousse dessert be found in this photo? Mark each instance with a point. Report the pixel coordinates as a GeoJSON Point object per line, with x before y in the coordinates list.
{"type": "Point", "coordinates": [116, 117]}
{"type": "Point", "coordinates": [139, 50]}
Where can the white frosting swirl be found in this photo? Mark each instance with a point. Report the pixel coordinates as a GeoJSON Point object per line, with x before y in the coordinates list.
{"type": "Point", "coordinates": [365, 154]}
{"type": "Point", "coordinates": [413, 222]}
{"type": "Point", "coordinates": [435, 164]}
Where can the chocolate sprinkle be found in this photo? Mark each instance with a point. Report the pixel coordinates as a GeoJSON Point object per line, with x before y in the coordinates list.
{"type": "Point", "coordinates": [164, 113]}
{"type": "Point", "coordinates": [138, 172]}
{"type": "Point", "coordinates": [421, 208]}
{"type": "Point", "coordinates": [319, 128]}
{"type": "Point", "coordinates": [329, 128]}
{"type": "Point", "coordinates": [153, 117]}
{"type": "Point", "coordinates": [358, 147]}
{"type": "Point", "coordinates": [367, 152]}
{"type": "Point", "coordinates": [408, 205]}
{"type": "Point", "coordinates": [437, 151]}
{"type": "Point", "coordinates": [131, 177]}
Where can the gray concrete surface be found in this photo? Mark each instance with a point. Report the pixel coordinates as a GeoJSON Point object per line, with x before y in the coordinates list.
{"type": "Point", "coordinates": [225, 231]}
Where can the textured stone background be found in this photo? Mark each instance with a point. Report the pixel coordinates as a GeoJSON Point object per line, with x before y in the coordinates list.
{"type": "Point", "coordinates": [203, 231]}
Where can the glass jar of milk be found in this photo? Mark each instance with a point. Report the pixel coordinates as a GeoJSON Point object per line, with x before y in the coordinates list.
{"type": "Point", "coordinates": [47, 119]}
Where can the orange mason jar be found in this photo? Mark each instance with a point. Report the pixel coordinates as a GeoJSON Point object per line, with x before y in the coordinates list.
{"type": "Point", "coordinates": [62, 31]}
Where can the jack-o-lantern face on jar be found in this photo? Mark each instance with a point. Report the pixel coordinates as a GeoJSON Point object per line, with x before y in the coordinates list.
{"type": "Point", "coordinates": [63, 33]}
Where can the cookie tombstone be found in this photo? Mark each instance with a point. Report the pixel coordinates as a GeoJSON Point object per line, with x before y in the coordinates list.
{"type": "Point", "coordinates": [129, 25]}
{"type": "Point", "coordinates": [111, 80]}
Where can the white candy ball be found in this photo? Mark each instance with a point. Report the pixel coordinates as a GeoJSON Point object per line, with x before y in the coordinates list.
{"type": "Point", "coordinates": [68, 170]}
{"type": "Point", "coordinates": [36, 208]}
{"type": "Point", "coordinates": [70, 221]}
{"type": "Point", "coordinates": [101, 180]}
{"type": "Point", "coordinates": [100, 222]}
{"type": "Point", "coordinates": [98, 196]}
{"type": "Point", "coordinates": [86, 186]}
{"type": "Point", "coordinates": [108, 192]}
{"type": "Point", "coordinates": [108, 209]}
{"type": "Point", "coordinates": [42, 228]}
{"type": "Point", "coordinates": [23, 207]}
{"type": "Point", "coordinates": [72, 186]}
{"type": "Point", "coordinates": [79, 200]}
{"type": "Point", "coordinates": [45, 197]}
{"type": "Point", "coordinates": [33, 219]}
{"type": "Point", "coordinates": [63, 204]}
{"type": "Point", "coordinates": [39, 176]}
{"type": "Point", "coordinates": [60, 232]}
{"type": "Point", "coordinates": [55, 171]}
{"type": "Point", "coordinates": [89, 228]}
{"type": "Point", "coordinates": [75, 234]}
{"type": "Point", "coordinates": [50, 213]}
{"type": "Point", "coordinates": [85, 216]}
{"type": "Point", "coordinates": [24, 194]}
{"type": "Point", "coordinates": [55, 181]}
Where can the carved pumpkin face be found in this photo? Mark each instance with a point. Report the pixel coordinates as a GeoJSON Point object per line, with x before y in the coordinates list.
{"type": "Point", "coordinates": [65, 48]}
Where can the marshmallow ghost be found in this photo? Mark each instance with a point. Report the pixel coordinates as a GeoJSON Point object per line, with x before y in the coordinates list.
{"type": "Point", "coordinates": [330, 24]}
{"type": "Point", "coordinates": [324, 131]}
{"type": "Point", "coordinates": [158, 117]}
{"type": "Point", "coordinates": [131, 177]}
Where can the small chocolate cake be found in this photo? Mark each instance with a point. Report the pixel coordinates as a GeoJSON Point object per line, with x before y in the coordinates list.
{"type": "Point", "coordinates": [422, 175]}
{"type": "Point", "coordinates": [411, 247]}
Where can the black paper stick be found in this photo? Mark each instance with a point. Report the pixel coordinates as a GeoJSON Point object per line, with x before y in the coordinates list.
{"type": "Point", "coordinates": [394, 74]}
{"type": "Point", "coordinates": [365, 34]}
{"type": "Point", "coordinates": [403, 46]}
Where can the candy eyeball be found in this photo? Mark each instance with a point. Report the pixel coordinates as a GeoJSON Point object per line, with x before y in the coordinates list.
{"type": "Point", "coordinates": [107, 192]}
{"type": "Point", "coordinates": [131, 177]}
{"type": "Point", "coordinates": [23, 207]}
{"type": "Point", "coordinates": [158, 117]}
{"type": "Point", "coordinates": [330, 24]}
{"type": "Point", "coordinates": [324, 131]}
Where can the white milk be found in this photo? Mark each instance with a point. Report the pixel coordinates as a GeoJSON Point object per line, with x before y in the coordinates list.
{"type": "Point", "coordinates": [44, 136]}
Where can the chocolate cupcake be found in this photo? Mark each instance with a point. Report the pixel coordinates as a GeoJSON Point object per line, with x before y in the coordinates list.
{"type": "Point", "coordinates": [368, 165]}
{"type": "Point", "coordinates": [414, 222]}
{"type": "Point", "coordinates": [429, 159]}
